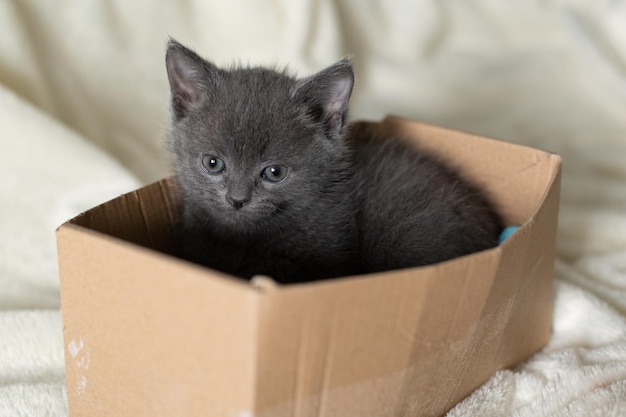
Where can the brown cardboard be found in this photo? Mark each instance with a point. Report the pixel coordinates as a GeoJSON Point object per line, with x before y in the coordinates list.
{"type": "Point", "coordinates": [147, 334]}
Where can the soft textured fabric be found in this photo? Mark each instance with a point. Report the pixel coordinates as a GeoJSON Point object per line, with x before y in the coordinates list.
{"type": "Point", "coordinates": [84, 116]}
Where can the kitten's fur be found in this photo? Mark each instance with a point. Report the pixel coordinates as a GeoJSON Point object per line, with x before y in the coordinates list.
{"type": "Point", "coordinates": [345, 207]}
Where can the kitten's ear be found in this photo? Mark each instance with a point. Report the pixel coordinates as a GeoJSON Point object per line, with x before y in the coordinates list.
{"type": "Point", "coordinates": [326, 94]}
{"type": "Point", "coordinates": [189, 76]}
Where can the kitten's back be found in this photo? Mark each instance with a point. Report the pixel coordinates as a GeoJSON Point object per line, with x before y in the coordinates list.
{"type": "Point", "coordinates": [416, 209]}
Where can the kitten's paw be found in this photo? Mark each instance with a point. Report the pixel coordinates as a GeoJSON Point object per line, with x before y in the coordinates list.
{"type": "Point", "coordinates": [264, 283]}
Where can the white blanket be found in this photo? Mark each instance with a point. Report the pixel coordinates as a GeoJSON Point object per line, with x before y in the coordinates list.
{"type": "Point", "coordinates": [83, 117]}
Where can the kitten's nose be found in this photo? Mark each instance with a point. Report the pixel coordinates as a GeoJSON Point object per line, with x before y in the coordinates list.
{"type": "Point", "coordinates": [237, 201]}
{"type": "Point", "coordinates": [239, 194]}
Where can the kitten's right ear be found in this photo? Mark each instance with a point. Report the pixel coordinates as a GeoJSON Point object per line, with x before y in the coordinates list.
{"type": "Point", "coordinates": [189, 76]}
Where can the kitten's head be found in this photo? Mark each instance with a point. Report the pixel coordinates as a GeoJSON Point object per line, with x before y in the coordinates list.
{"type": "Point", "coordinates": [254, 146]}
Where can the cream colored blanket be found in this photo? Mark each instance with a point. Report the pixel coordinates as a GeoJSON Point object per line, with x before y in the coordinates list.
{"type": "Point", "coordinates": [84, 113]}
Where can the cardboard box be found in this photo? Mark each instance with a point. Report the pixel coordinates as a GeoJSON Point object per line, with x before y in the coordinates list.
{"type": "Point", "coordinates": [147, 334]}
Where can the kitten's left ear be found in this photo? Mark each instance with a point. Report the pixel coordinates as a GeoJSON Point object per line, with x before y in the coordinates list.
{"type": "Point", "coordinates": [326, 94]}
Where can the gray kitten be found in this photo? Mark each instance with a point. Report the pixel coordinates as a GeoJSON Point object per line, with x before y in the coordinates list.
{"type": "Point", "coordinates": [271, 184]}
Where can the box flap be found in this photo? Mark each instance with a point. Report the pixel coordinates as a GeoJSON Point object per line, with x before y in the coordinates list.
{"type": "Point", "coordinates": [146, 334]}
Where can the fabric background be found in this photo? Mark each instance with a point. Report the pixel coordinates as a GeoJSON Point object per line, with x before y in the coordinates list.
{"type": "Point", "coordinates": [84, 115]}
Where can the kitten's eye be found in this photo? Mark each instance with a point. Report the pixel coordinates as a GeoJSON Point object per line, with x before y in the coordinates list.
{"type": "Point", "coordinates": [213, 164]}
{"type": "Point", "coordinates": [274, 173]}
